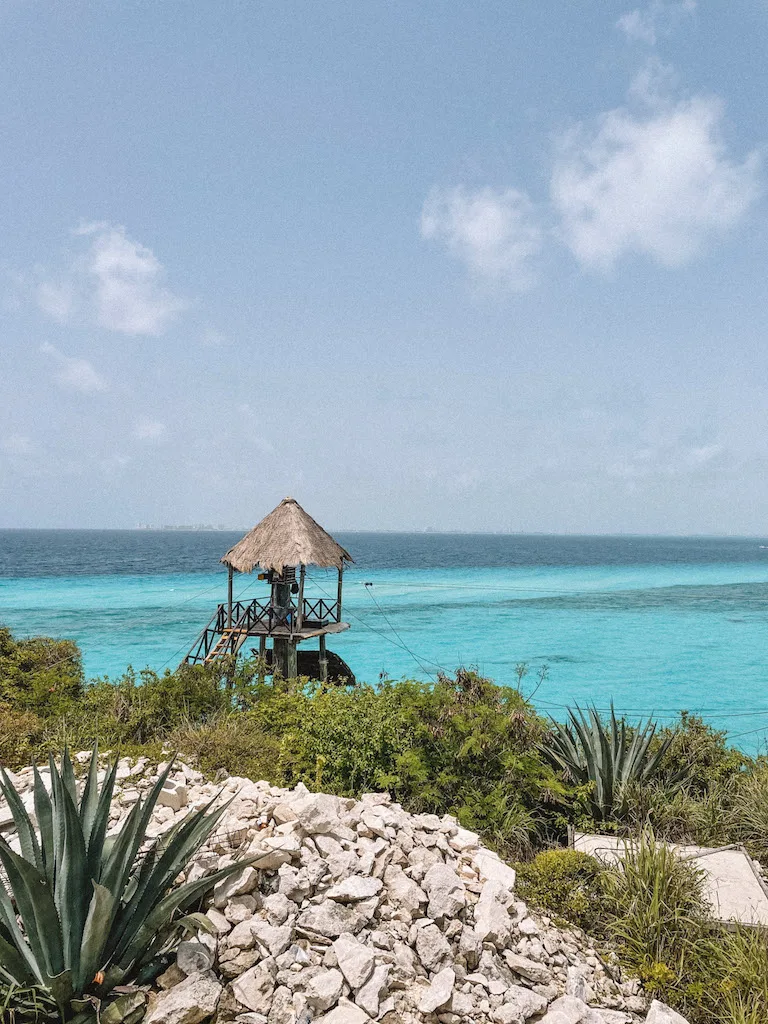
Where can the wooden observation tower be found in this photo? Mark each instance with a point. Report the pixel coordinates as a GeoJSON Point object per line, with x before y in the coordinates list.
{"type": "Point", "coordinates": [281, 546]}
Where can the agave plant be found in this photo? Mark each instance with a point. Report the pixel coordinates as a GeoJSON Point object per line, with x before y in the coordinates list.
{"type": "Point", "coordinates": [606, 757]}
{"type": "Point", "coordinates": [83, 912]}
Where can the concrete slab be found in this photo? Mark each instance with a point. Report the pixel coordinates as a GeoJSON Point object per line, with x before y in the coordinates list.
{"type": "Point", "coordinates": [731, 881]}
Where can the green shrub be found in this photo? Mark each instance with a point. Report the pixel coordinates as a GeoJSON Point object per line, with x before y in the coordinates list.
{"type": "Point", "coordinates": [700, 754]}
{"type": "Point", "coordinates": [39, 674]}
{"type": "Point", "coordinates": [20, 734]}
{"type": "Point", "coordinates": [567, 884]}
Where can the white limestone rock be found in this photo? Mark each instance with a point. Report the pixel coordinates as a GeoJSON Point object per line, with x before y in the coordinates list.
{"type": "Point", "coordinates": [324, 989]}
{"type": "Point", "coordinates": [439, 992]}
{"type": "Point", "coordinates": [354, 889]}
{"type": "Point", "coordinates": [254, 989]}
{"type": "Point", "coordinates": [356, 961]}
{"type": "Point", "coordinates": [190, 1002]}
{"type": "Point", "coordinates": [447, 895]}
{"type": "Point", "coordinates": [432, 947]}
{"type": "Point", "coordinates": [345, 1013]}
{"type": "Point", "coordinates": [660, 1013]}
{"type": "Point", "coordinates": [370, 995]}
{"type": "Point", "coordinates": [238, 884]}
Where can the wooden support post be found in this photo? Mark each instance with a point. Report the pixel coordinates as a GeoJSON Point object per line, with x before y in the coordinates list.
{"type": "Point", "coordinates": [300, 612]}
{"type": "Point", "coordinates": [338, 596]}
{"type": "Point", "coordinates": [262, 657]}
{"type": "Point", "coordinates": [323, 660]}
{"type": "Point", "coordinates": [284, 648]}
{"type": "Point", "coordinates": [229, 596]}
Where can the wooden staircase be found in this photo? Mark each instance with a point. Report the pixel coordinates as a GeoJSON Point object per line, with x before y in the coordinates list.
{"type": "Point", "coordinates": [230, 642]}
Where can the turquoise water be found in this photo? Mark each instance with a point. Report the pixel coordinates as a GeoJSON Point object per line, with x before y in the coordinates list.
{"type": "Point", "coordinates": [656, 625]}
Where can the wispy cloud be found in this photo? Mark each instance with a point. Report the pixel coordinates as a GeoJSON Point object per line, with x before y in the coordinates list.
{"type": "Point", "coordinates": [148, 429]}
{"type": "Point", "coordinates": [74, 374]}
{"type": "Point", "coordinates": [646, 24]}
{"type": "Point", "coordinates": [495, 233]}
{"type": "Point", "coordinates": [116, 282]}
{"type": "Point", "coordinates": [653, 178]}
{"type": "Point", "coordinates": [57, 299]}
{"type": "Point", "coordinates": [17, 445]}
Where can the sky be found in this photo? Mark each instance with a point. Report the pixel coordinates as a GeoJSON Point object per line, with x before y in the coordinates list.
{"type": "Point", "coordinates": [497, 266]}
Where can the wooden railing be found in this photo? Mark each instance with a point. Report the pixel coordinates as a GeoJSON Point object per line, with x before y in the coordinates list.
{"type": "Point", "coordinates": [254, 617]}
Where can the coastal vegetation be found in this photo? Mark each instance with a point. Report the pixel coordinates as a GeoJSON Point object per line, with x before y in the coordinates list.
{"type": "Point", "coordinates": [466, 746]}
{"type": "Point", "coordinates": [85, 913]}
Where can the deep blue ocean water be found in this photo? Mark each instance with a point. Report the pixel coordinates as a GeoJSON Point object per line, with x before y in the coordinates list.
{"type": "Point", "coordinates": [652, 624]}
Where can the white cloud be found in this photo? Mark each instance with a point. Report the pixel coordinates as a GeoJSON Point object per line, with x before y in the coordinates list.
{"type": "Point", "coordinates": [56, 299]}
{"type": "Point", "coordinates": [117, 281]}
{"type": "Point", "coordinates": [148, 430]}
{"type": "Point", "coordinates": [211, 338]}
{"type": "Point", "coordinates": [128, 279]}
{"type": "Point", "coordinates": [74, 374]}
{"type": "Point", "coordinates": [495, 233]}
{"type": "Point", "coordinates": [655, 180]}
{"type": "Point", "coordinates": [18, 445]}
{"type": "Point", "coordinates": [644, 25]}
{"type": "Point", "coordinates": [670, 459]}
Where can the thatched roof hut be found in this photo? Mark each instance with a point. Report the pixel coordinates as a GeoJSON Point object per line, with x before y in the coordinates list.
{"type": "Point", "coordinates": [287, 536]}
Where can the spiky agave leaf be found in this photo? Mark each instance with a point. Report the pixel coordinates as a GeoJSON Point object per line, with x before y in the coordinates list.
{"type": "Point", "coordinates": [89, 904]}
{"type": "Point", "coordinates": [606, 755]}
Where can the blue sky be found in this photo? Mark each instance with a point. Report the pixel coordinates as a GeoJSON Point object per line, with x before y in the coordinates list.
{"type": "Point", "coordinates": [491, 266]}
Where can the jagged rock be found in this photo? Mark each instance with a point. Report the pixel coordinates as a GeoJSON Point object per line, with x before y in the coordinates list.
{"type": "Point", "coordinates": [324, 989]}
{"type": "Point", "coordinates": [240, 883]}
{"type": "Point", "coordinates": [660, 1013]}
{"type": "Point", "coordinates": [492, 920]}
{"type": "Point", "coordinates": [331, 919]}
{"type": "Point", "coordinates": [524, 1002]}
{"type": "Point", "coordinates": [527, 968]}
{"type": "Point", "coordinates": [369, 996]}
{"type": "Point", "coordinates": [345, 1013]}
{"type": "Point", "coordinates": [354, 889]}
{"type": "Point", "coordinates": [189, 1002]}
{"type": "Point", "coordinates": [447, 895]}
{"type": "Point", "coordinates": [575, 1011]}
{"type": "Point", "coordinates": [271, 852]}
{"type": "Point", "coordinates": [402, 890]}
{"type": "Point", "coordinates": [439, 992]}
{"type": "Point", "coordinates": [432, 947]}
{"type": "Point", "coordinates": [319, 812]}
{"type": "Point", "coordinates": [193, 957]}
{"type": "Point", "coordinates": [576, 984]}
{"type": "Point", "coordinates": [254, 989]}
{"type": "Point", "coordinates": [356, 961]}
{"type": "Point", "coordinates": [492, 869]}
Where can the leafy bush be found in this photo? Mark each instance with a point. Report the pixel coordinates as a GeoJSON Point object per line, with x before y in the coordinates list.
{"type": "Point", "coordinates": [20, 734]}
{"type": "Point", "coordinates": [700, 754]}
{"type": "Point", "coordinates": [564, 883]}
{"type": "Point", "coordinates": [605, 760]}
{"type": "Point", "coordinates": [39, 674]}
{"type": "Point", "coordinates": [84, 913]}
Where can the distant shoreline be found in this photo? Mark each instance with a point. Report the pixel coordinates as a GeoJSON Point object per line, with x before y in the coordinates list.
{"type": "Point", "coordinates": [426, 532]}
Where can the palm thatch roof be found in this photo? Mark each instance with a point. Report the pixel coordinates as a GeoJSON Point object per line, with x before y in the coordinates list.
{"type": "Point", "coordinates": [287, 536]}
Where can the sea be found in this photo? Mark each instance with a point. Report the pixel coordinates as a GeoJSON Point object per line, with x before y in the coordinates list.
{"type": "Point", "coordinates": [652, 625]}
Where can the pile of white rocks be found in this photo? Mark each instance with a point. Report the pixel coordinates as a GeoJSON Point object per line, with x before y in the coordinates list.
{"type": "Point", "coordinates": [351, 911]}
